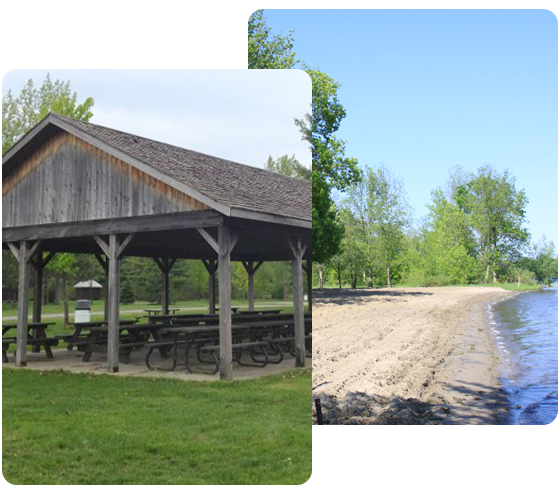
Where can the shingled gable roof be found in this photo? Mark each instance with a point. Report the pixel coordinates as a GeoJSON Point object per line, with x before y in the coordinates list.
{"type": "Point", "coordinates": [231, 188]}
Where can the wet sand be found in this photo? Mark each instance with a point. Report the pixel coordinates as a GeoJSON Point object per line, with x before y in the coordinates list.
{"type": "Point", "coordinates": [406, 356]}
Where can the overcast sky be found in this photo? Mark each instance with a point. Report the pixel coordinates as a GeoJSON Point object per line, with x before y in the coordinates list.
{"type": "Point", "coordinates": [240, 115]}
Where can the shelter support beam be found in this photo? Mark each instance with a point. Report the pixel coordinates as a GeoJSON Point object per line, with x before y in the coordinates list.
{"type": "Point", "coordinates": [211, 267]}
{"type": "Point", "coordinates": [298, 250]}
{"type": "Point", "coordinates": [114, 251]}
{"type": "Point", "coordinates": [224, 245]}
{"type": "Point", "coordinates": [23, 254]}
{"type": "Point", "coordinates": [251, 269]}
{"type": "Point", "coordinates": [165, 265]}
{"type": "Point", "coordinates": [39, 263]}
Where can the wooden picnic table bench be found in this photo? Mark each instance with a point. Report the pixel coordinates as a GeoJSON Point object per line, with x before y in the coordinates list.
{"type": "Point", "coordinates": [159, 311]}
{"type": "Point", "coordinates": [98, 336]}
{"type": "Point", "coordinates": [167, 319]}
{"type": "Point", "coordinates": [76, 337]}
{"type": "Point", "coordinates": [36, 337]}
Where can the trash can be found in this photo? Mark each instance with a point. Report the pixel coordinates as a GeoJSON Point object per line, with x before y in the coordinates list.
{"type": "Point", "coordinates": [82, 312]}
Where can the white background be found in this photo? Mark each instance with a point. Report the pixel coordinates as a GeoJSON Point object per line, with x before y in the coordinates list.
{"type": "Point", "coordinates": [347, 461]}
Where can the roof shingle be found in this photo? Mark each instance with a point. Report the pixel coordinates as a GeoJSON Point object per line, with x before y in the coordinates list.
{"type": "Point", "coordinates": [228, 182]}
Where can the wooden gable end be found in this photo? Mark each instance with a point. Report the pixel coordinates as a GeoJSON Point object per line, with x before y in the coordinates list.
{"type": "Point", "coordinates": [68, 180]}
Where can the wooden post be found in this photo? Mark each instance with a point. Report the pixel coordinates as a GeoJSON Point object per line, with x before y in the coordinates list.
{"type": "Point", "coordinates": [212, 288]}
{"type": "Point", "coordinates": [211, 266]}
{"type": "Point", "coordinates": [165, 264]}
{"type": "Point", "coordinates": [165, 293]}
{"type": "Point", "coordinates": [251, 269]}
{"type": "Point", "coordinates": [38, 290]}
{"type": "Point", "coordinates": [114, 252]}
{"type": "Point", "coordinates": [298, 250]}
{"type": "Point", "coordinates": [251, 285]}
{"type": "Point", "coordinates": [224, 264]}
{"type": "Point", "coordinates": [21, 339]}
{"type": "Point", "coordinates": [23, 254]}
{"type": "Point", "coordinates": [113, 305]}
{"type": "Point", "coordinates": [106, 294]}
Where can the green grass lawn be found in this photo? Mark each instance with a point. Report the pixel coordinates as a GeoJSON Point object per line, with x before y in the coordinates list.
{"type": "Point", "coordinates": [62, 428]}
{"type": "Point", "coordinates": [11, 310]}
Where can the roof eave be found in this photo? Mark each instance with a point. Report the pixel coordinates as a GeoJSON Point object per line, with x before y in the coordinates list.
{"type": "Point", "coordinates": [247, 214]}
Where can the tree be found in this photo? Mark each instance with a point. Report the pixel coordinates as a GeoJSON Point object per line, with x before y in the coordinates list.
{"type": "Point", "coordinates": [391, 214]}
{"type": "Point", "coordinates": [288, 166]}
{"type": "Point", "coordinates": [542, 261]}
{"type": "Point", "coordinates": [64, 266]}
{"type": "Point", "coordinates": [331, 169]}
{"type": "Point", "coordinates": [268, 51]}
{"type": "Point", "coordinates": [21, 114]}
{"type": "Point", "coordinates": [450, 243]}
{"type": "Point", "coordinates": [497, 213]}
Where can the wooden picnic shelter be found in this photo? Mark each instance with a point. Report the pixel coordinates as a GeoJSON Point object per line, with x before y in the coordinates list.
{"type": "Point", "coordinates": [76, 187]}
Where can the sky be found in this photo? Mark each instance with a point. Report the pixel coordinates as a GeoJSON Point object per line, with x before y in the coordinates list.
{"type": "Point", "coordinates": [427, 90]}
{"type": "Point", "coordinates": [240, 115]}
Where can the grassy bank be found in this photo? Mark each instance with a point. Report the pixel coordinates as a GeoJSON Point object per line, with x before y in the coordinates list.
{"type": "Point", "coordinates": [60, 428]}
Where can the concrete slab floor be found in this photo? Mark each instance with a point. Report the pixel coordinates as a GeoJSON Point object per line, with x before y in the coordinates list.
{"type": "Point", "coordinates": [71, 361]}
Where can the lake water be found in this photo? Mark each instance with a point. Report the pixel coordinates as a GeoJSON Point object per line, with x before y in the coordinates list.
{"type": "Point", "coordinates": [526, 331]}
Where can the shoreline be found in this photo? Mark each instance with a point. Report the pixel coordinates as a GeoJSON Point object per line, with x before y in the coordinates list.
{"type": "Point", "coordinates": [428, 358]}
{"type": "Point", "coordinates": [474, 391]}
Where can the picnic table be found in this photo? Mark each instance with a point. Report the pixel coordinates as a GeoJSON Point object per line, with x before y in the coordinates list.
{"type": "Point", "coordinates": [36, 337]}
{"type": "Point", "coordinates": [168, 318]}
{"type": "Point", "coordinates": [137, 334]}
{"type": "Point", "coordinates": [158, 311]}
{"type": "Point", "coordinates": [79, 327]}
{"type": "Point", "coordinates": [255, 336]}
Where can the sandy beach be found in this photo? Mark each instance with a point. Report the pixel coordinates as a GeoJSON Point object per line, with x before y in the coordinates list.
{"type": "Point", "coordinates": [406, 356]}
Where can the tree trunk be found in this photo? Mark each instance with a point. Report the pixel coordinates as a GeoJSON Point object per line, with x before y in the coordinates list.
{"type": "Point", "coordinates": [320, 276]}
{"type": "Point", "coordinates": [389, 276]}
{"type": "Point", "coordinates": [364, 277]}
{"type": "Point", "coordinates": [339, 280]}
{"type": "Point", "coordinates": [487, 273]}
{"type": "Point", "coordinates": [370, 278]}
{"type": "Point", "coordinates": [495, 277]}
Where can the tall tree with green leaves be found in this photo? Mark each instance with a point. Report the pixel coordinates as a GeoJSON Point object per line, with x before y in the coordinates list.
{"type": "Point", "coordinates": [266, 50]}
{"type": "Point", "coordinates": [497, 212]}
{"type": "Point", "coordinates": [288, 166]}
{"type": "Point", "coordinates": [391, 215]}
{"type": "Point", "coordinates": [450, 242]}
{"type": "Point", "coordinates": [331, 169]}
{"type": "Point", "coordinates": [21, 113]}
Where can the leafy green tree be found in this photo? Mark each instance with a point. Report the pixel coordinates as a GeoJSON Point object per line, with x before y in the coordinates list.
{"type": "Point", "coordinates": [64, 266]}
{"type": "Point", "coordinates": [127, 292]}
{"type": "Point", "coordinates": [331, 169]}
{"type": "Point", "coordinates": [451, 247]}
{"type": "Point", "coordinates": [497, 213]}
{"type": "Point", "coordinates": [268, 51]}
{"type": "Point", "coordinates": [391, 215]}
{"type": "Point", "coordinates": [542, 261]}
{"type": "Point", "coordinates": [20, 114]}
{"type": "Point", "coordinates": [288, 166]}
